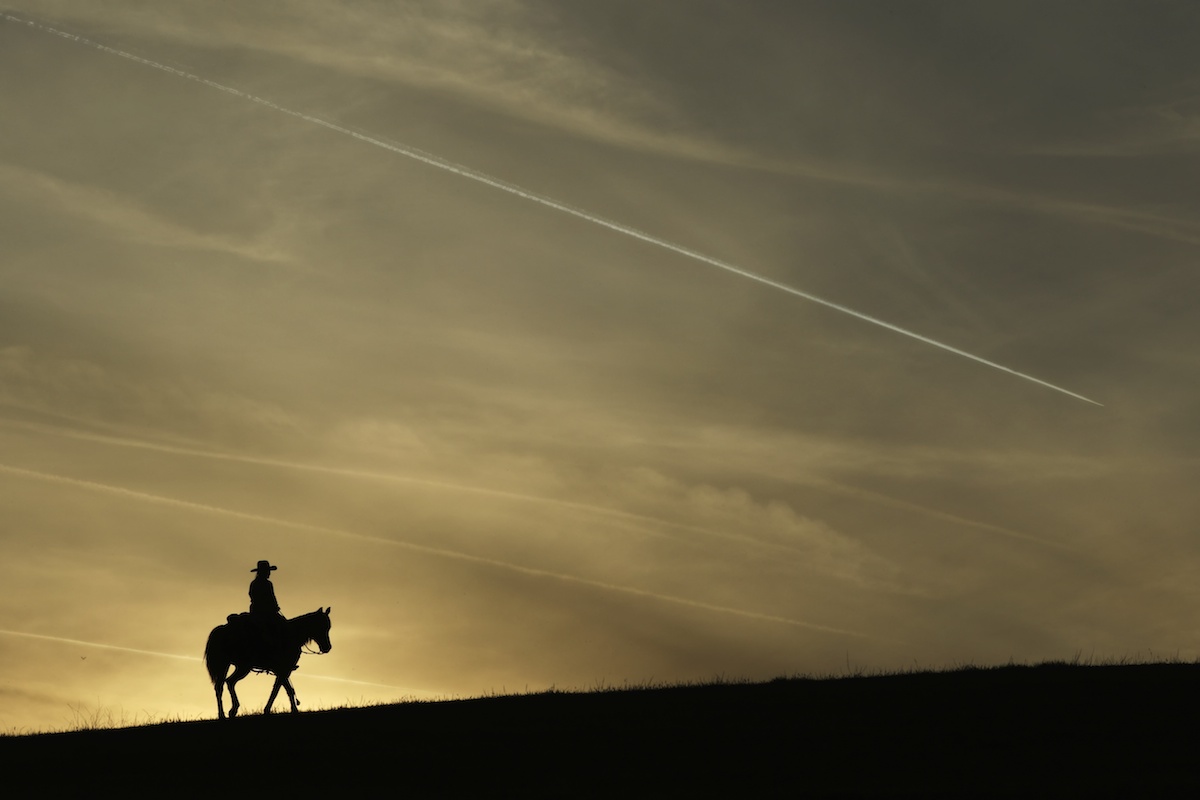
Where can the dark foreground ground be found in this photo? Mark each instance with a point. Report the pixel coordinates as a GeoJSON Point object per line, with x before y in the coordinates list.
{"type": "Point", "coordinates": [1044, 731]}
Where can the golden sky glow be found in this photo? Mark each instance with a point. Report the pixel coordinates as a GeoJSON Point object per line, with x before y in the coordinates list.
{"type": "Point", "coordinates": [513, 448]}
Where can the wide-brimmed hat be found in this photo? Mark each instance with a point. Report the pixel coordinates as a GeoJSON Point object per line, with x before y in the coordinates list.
{"type": "Point", "coordinates": [264, 566]}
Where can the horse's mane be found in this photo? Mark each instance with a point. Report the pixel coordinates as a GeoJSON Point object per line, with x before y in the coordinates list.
{"type": "Point", "coordinates": [312, 615]}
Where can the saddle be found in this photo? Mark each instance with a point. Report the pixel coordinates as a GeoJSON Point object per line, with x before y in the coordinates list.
{"type": "Point", "coordinates": [261, 634]}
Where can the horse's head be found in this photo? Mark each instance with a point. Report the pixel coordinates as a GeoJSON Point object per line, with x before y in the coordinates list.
{"type": "Point", "coordinates": [311, 627]}
{"type": "Point", "coordinates": [321, 632]}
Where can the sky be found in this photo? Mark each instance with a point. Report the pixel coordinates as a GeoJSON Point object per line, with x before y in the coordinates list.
{"type": "Point", "coordinates": [589, 344]}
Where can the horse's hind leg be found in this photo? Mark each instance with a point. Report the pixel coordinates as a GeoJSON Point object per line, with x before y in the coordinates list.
{"type": "Point", "coordinates": [219, 687]}
{"type": "Point", "coordinates": [235, 704]}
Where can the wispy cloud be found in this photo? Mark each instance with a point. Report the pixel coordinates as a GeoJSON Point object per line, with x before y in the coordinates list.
{"type": "Point", "coordinates": [485, 52]}
{"type": "Point", "coordinates": [1165, 124]}
{"type": "Point", "coordinates": [497, 54]}
{"type": "Point", "coordinates": [109, 215]}
{"type": "Point", "coordinates": [100, 394]}
{"type": "Point", "coordinates": [512, 189]}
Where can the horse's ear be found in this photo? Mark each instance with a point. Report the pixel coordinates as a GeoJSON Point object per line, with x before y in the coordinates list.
{"type": "Point", "coordinates": [328, 610]}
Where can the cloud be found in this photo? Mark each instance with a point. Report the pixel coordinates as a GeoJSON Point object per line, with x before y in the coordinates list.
{"type": "Point", "coordinates": [734, 512]}
{"type": "Point", "coordinates": [534, 62]}
{"type": "Point", "coordinates": [1166, 127]}
{"type": "Point", "coordinates": [489, 52]}
{"type": "Point", "coordinates": [94, 394]}
{"type": "Point", "coordinates": [106, 214]}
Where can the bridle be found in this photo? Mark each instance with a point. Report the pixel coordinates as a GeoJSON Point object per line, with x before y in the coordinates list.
{"type": "Point", "coordinates": [306, 647]}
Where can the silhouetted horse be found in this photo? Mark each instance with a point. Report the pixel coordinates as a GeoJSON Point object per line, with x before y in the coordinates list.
{"type": "Point", "coordinates": [239, 644]}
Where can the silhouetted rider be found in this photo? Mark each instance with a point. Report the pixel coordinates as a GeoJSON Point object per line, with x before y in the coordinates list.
{"type": "Point", "coordinates": [264, 608]}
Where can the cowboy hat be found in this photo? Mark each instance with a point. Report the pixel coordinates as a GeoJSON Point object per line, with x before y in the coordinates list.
{"type": "Point", "coordinates": [264, 566]}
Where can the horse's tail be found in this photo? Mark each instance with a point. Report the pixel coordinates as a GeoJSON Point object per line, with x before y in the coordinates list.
{"type": "Point", "coordinates": [216, 655]}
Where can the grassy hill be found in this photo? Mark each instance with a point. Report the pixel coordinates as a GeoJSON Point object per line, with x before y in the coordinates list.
{"type": "Point", "coordinates": [1055, 730]}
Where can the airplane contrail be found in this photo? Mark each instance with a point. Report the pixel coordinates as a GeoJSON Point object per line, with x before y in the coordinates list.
{"type": "Point", "coordinates": [480, 177]}
{"type": "Point", "coordinates": [439, 552]}
{"type": "Point", "coordinates": [626, 520]}
{"type": "Point", "coordinates": [119, 648]}
{"type": "Point", "coordinates": [83, 643]}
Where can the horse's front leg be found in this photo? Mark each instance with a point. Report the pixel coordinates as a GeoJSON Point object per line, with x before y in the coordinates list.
{"type": "Point", "coordinates": [235, 704]}
{"type": "Point", "coordinates": [287, 685]}
{"type": "Point", "coordinates": [274, 692]}
{"type": "Point", "coordinates": [283, 679]}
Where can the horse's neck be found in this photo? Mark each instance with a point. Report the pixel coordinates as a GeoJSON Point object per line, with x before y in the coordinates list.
{"type": "Point", "coordinates": [301, 627]}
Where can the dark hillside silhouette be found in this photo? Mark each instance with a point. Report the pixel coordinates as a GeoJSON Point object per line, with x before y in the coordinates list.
{"type": "Point", "coordinates": [1044, 731]}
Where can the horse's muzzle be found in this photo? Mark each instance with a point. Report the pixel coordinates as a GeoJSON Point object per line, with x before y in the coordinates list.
{"type": "Point", "coordinates": [326, 649]}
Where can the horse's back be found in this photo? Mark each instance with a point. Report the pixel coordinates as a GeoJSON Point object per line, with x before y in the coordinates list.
{"type": "Point", "coordinates": [217, 634]}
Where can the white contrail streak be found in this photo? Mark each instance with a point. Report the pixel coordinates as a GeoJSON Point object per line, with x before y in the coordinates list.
{"type": "Point", "coordinates": [433, 551]}
{"type": "Point", "coordinates": [102, 646]}
{"type": "Point", "coordinates": [466, 172]}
